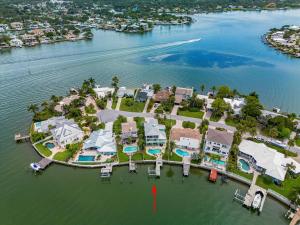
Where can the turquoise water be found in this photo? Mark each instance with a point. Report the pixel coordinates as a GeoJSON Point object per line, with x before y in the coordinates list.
{"type": "Point", "coordinates": [154, 151]}
{"type": "Point", "coordinates": [182, 153]}
{"type": "Point", "coordinates": [84, 158]}
{"type": "Point", "coordinates": [219, 162]}
{"type": "Point", "coordinates": [245, 166]}
{"type": "Point", "coordinates": [130, 149]}
{"type": "Point", "coordinates": [50, 145]}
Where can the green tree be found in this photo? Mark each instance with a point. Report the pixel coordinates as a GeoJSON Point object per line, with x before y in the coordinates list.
{"type": "Point", "coordinates": [115, 82]}
{"type": "Point", "coordinates": [202, 88]}
{"type": "Point", "coordinates": [219, 106]}
{"type": "Point", "coordinates": [33, 108]}
{"type": "Point", "coordinates": [156, 88]}
{"type": "Point", "coordinates": [252, 108]}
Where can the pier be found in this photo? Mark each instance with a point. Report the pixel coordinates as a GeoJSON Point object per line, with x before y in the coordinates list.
{"type": "Point", "coordinates": [132, 165]}
{"type": "Point", "coordinates": [44, 162]}
{"type": "Point", "coordinates": [186, 166]}
{"type": "Point", "coordinates": [106, 171]}
{"type": "Point", "coordinates": [158, 164]}
{"type": "Point", "coordinates": [253, 190]}
{"type": "Point", "coordinates": [19, 137]}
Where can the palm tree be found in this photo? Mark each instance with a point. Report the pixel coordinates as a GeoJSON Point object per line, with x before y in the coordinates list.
{"type": "Point", "coordinates": [92, 81]}
{"type": "Point", "coordinates": [115, 82]}
{"type": "Point", "coordinates": [32, 108]}
{"type": "Point", "coordinates": [273, 132]}
{"type": "Point", "coordinates": [213, 88]}
{"type": "Point", "coordinates": [45, 104]}
{"type": "Point", "coordinates": [291, 143]}
{"type": "Point", "coordinates": [202, 87]}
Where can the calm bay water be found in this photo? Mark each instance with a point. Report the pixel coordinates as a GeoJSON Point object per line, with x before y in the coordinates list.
{"type": "Point", "coordinates": [230, 52]}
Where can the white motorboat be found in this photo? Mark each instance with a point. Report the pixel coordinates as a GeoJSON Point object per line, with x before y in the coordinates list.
{"type": "Point", "coordinates": [35, 166]}
{"type": "Point", "coordinates": [257, 200]}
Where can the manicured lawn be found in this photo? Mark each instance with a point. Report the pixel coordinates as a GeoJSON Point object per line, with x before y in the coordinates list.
{"type": "Point", "coordinates": [188, 124]}
{"type": "Point", "coordinates": [148, 157]}
{"type": "Point", "coordinates": [43, 150]}
{"type": "Point", "coordinates": [286, 189]}
{"type": "Point", "coordinates": [248, 176]}
{"type": "Point", "coordinates": [114, 103]}
{"type": "Point", "coordinates": [121, 155]}
{"type": "Point", "coordinates": [297, 142]}
{"type": "Point", "coordinates": [62, 156]}
{"type": "Point", "coordinates": [135, 107]}
{"type": "Point", "coordinates": [197, 114]}
{"type": "Point", "coordinates": [172, 157]}
{"type": "Point", "coordinates": [232, 122]}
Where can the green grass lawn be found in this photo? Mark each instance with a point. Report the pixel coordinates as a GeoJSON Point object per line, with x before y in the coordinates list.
{"type": "Point", "coordinates": [43, 150]}
{"type": "Point", "coordinates": [248, 176]}
{"type": "Point", "coordinates": [286, 189]}
{"type": "Point", "coordinates": [121, 155]}
{"type": "Point", "coordinates": [136, 107]}
{"type": "Point", "coordinates": [62, 156]}
{"type": "Point", "coordinates": [172, 157]}
{"type": "Point", "coordinates": [232, 122]}
{"type": "Point", "coordinates": [297, 142]}
{"type": "Point", "coordinates": [197, 114]}
{"type": "Point", "coordinates": [188, 124]}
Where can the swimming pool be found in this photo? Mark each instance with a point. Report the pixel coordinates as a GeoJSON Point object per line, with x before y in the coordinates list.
{"type": "Point", "coordinates": [86, 158]}
{"type": "Point", "coordinates": [244, 165]}
{"type": "Point", "coordinates": [50, 145]}
{"type": "Point", "coordinates": [181, 152]}
{"type": "Point", "coordinates": [154, 151]}
{"type": "Point", "coordinates": [130, 149]}
{"type": "Point", "coordinates": [218, 162]}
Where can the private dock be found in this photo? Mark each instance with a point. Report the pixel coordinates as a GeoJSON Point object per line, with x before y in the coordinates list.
{"type": "Point", "coordinates": [186, 166]}
{"type": "Point", "coordinates": [19, 137]}
{"type": "Point", "coordinates": [295, 217]}
{"type": "Point", "coordinates": [44, 162]}
{"type": "Point", "coordinates": [158, 164]}
{"type": "Point", "coordinates": [253, 190]}
{"type": "Point", "coordinates": [106, 171]}
{"type": "Point", "coordinates": [132, 165]}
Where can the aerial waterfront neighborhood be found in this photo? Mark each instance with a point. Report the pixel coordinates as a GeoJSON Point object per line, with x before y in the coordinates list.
{"type": "Point", "coordinates": [222, 130]}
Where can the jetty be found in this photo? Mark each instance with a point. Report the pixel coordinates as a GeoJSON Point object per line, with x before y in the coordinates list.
{"type": "Point", "coordinates": [44, 162]}
{"type": "Point", "coordinates": [19, 137]}
{"type": "Point", "coordinates": [106, 171]}
{"type": "Point", "coordinates": [186, 166]}
{"type": "Point", "coordinates": [253, 190]}
{"type": "Point", "coordinates": [156, 171]}
{"type": "Point", "coordinates": [132, 165]}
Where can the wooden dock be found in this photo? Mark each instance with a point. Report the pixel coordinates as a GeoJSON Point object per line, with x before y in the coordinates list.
{"type": "Point", "coordinates": [44, 162]}
{"type": "Point", "coordinates": [19, 137]}
{"type": "Point", "coordinates": [295, 217]}
{"type": "Point", "coordinates": [106, 171]}
{"type": "Point", "coordinates": [247, 200]}
{"type": "Point", "coordinates": [186, 166]}
{"type": "Point", "coordinates": [158, 164]}
{"type": "Point", "coordinates": [132, 165]}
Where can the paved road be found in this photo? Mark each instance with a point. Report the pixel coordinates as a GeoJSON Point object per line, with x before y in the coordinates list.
{"type": "Point", "coordinates": [109, 115]}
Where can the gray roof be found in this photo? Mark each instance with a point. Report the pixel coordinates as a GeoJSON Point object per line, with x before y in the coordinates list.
{"type": "Point", "coordinates": [218, 136]}
{"type": "Point", "coordinates": [152, 128]}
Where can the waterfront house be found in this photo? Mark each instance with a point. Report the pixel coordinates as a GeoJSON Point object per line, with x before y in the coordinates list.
{"type": "Point", "coordinates": [141, 96]}
{"type": "Point", "coordinates": [155, 134]}
{"type": "Point", "coordinates": [218, 142]}
{"type": "Point", "coordinates": [182, 94]}
{"type": "Point", "coordinates": [16, 26]}
{"type": "Point", "coordinates": [101, 141]}
{"type": "Point", "coordinates": [70, 36]}
{"type": "Point", "coordinates": [67, 133]}
{"type": "Point", "coordinates": [266, 160]}
{"type": "Point", "coordinates": [129, 131]}
{"type": "Point", "coordinates": [3, 27]}
{"type": "Point", "coordinates": [148, 89]}
{"type": "Point", "coordinates": [207, 101]}
{"type": "Point", "coordinates": [65, 101]}
{"type": "Point", "coordinates": [124, 92]}
{"type": "Point", "coordinates": [162, 96]}
{"type": "Point", "coordinates": [46, 125]}
{"type": "Point", "coordinates": [102, 92]}
{"type": "Point", "coordinates": [236, 104]}
{"type": "Point", "coordinates": [37, 32]}
{"type": "Point", "coordinates": [271, 114]}
{"type": "Point", "coordinates": [186, 138]}
{"type": "Point", "coordinates": [16, 43]}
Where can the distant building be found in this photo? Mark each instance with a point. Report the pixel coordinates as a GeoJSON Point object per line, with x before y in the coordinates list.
{"type": "Point", "coordinates": [155, 134]}
{"type": "Point", "coordinates": [16, 42]}
{"type": "Point", "coordinates": [218, 142]}
{"type": "Point", "coordinates": [102, 92]}
{"type": "Point", "coordinates": [37, 32]}
{"type": "Point", "coordinates": [101, 141]}
{"type": "Point", "coordinates": [186, 138]}
{"type": "Point", "coordinates": [207, 101]}
{"type": "Point", "coordinates": [16, 26]}
{"type": "Point", "coordinates": [124, 92]}
{"type": "Point", "coordinates": [141, 96]}
{"type": "Point", "coordinates": [3, 27]}
{"type": "Point", "coordinates": [67, 133]}
{"type": "Point", "coordinates": [162, 96]}
{"type": "Point", "coordinates": [182, 94]}
{"type": "Point", "coordinates": [129, 130]}
{"type": "Point", "coordinates": [236, 104]}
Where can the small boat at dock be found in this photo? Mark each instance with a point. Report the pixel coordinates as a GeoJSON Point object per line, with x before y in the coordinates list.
{"type": "Point", "coordinates": [256, 201]}
{"type": "Point", "coordinates": [213, 175]}
{"type": "Point", "coordinates": [35, 166]}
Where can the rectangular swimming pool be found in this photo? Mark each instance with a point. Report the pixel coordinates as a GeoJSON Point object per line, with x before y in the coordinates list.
{"type": "Point", "coordinates": [86, 158]}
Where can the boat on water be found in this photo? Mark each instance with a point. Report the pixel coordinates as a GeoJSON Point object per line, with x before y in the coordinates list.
{"type": "Point", "coordinates": [35, 166]}
{"type": "Point", "coordinates": [257, 201]}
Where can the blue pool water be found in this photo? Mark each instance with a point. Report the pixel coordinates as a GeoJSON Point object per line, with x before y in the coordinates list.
{"type": "Point", "coordinates": [219, 162]}
{"type": "Point", "coordinates": [130, 149]}
{"type": "Point", "coordinates": [85, 158]}
{"type": "Point", "coordinates": [49, 145]}
{"type": "Point", "coordinates": [245, 166]}
{"type": "Point", "coordinates": [182, 153]}
{"type": "Point", "coordinates": [154, 151]}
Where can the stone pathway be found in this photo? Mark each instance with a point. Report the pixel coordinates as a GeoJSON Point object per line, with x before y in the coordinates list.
{"type": "Point", "coordinates": [109, 104]}
{"type": "Point", "coordinates": [174, 110]}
